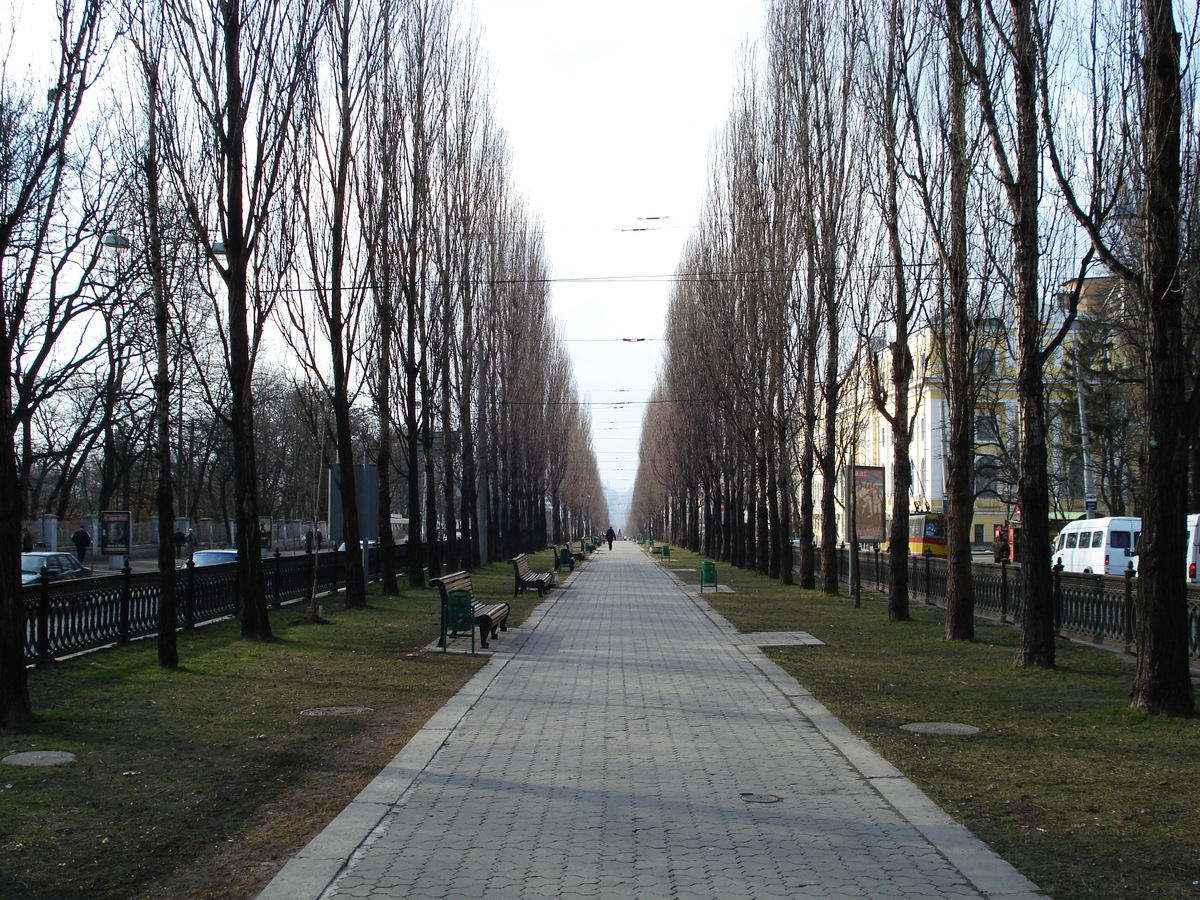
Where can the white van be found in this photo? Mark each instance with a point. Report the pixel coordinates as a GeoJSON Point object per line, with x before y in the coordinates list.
{"type": "Point", "coordinates": [1099, 546]}
{"type": "Point", "coordinates": [1193, 549]}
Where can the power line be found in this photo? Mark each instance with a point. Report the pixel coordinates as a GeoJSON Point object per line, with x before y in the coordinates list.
{"type": "Point", "coordinates": [614, 403]}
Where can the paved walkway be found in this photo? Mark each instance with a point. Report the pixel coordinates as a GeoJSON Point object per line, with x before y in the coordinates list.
{"type": "Point", "coordinates": [625, 742]}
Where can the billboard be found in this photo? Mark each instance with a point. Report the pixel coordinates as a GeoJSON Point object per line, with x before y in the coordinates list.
{"type": "Point", "coordinates": [116, 532]}
{"type": "Point", "coordinates": [366, 487]}
{"type": "Point", "coordinates": [866, 491]}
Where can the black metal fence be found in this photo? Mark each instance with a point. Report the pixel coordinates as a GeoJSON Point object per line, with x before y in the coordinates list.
{"type": "Point", "coordinates": [1098, 608]}
{"type": "Point", "coordinates": [68, 617]}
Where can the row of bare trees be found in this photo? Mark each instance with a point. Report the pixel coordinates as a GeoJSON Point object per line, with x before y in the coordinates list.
{"type": "Point", "coordinates": [941, 169]}
{"type": "Point", "coordinates": [247, 241]}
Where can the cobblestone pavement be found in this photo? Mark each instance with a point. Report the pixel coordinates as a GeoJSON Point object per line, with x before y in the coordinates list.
{"type": "Point", "coordinates": [626, 742]}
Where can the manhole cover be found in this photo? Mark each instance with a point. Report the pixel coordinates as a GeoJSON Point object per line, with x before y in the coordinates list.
{"type": "Point", "coordinates": [40, 758]}
{"type": "Point", "coordinates": [761, 798]}
{"type": "Point", "coordinates": [939, 728]}
{"type": "Point", "coordinates": [336, 711]}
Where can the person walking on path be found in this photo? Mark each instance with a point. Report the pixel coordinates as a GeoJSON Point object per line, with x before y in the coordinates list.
{"type": "Point", "coordinates": [180, 539]}
{"type": "Point", "coordinates": [82, 540]}
{"type": "Point", "coordinates": [610, 536]}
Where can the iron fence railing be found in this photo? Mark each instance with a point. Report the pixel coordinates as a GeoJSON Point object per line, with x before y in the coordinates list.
{"type": "Point", "coordinates": [64, 618]}
{"type": "Point", "coordinates": [1099, 608]}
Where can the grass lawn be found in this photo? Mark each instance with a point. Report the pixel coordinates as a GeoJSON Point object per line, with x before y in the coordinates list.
{"type": "Point", "coordinates": [1086, 798]}
{"type": "Point", "coordinates": [202, 782]}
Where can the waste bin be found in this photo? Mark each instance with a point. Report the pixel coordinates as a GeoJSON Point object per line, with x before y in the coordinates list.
{"type": "Point", "coordinates": [666, 551]}
{"type": "Point", "coordinates": [458, 615]}
{"type": "Point", "coordinates": [708, 575]}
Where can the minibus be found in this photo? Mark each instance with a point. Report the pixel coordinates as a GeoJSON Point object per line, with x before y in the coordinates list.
{"type": "Point", "coordinates": [1105, 546]}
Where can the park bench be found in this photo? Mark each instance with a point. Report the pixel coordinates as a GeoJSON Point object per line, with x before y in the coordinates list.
{"type": "Point", "coordinates": [489, 617]}
{"type": "Point", "coordinates": [525, 577]}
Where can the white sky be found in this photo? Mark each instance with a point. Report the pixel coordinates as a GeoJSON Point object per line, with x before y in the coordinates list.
{"type": "Point", "coordinates": [611, 110]}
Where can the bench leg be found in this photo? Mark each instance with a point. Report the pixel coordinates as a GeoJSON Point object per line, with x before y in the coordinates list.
{"type": "Point", "coordinates": [483, 635]}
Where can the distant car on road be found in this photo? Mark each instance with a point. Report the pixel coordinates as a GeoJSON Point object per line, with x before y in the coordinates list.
{"type": "Point", "coordinates": [59, 565]}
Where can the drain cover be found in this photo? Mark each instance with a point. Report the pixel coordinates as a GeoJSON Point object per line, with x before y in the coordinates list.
{"type": "Point", "coordinates": [40, 758]}
{"type": "Point", "coordinates": [761, 798]}
{"type": "Point", "coordinates": [336, 711]}
{"type": "Point", "coordinates": [939, 728]}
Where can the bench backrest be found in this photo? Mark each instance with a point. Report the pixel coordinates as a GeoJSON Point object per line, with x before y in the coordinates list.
{"type": "Point", "coordinates": [522, 563]}
{"type": "Point", "coordinates": [455, 581]}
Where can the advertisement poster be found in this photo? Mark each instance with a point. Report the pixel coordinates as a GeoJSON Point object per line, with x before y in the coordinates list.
{"type": "Point", "coordinates": [866, 488]}
{"type": "Point", "coordinates": [116, 530]}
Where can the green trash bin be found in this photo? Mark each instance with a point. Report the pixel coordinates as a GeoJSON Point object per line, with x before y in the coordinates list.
{"type": "Point", "coordinates": [708, 575]}
{"type": "Point", "coordinates": [458, 615]}
{"type": "Point", "coordinates": [666, 551]}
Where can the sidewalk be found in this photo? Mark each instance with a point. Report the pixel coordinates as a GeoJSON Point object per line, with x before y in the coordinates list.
{"type": "Point", "coordinates": [624, 742]}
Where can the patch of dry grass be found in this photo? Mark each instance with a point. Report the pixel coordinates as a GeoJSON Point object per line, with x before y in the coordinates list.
{"type": "Point", "coordinates": [201, 782]}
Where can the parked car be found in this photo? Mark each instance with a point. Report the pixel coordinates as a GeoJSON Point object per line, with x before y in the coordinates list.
{"type": "Point", "coordinates": [1193, 548]}
{"type": "Point", "coordinates": [214, 557]}
{"type": "Point", "coordinates": [59, 565]}
{"type": "Point", "coordinates": [363, 544]}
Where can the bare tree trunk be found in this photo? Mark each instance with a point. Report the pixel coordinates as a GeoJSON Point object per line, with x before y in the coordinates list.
{"type": "Point", "coordinates": [1162, 684]}
{"type": "Point", "coordinates": [1033, 489]}
{"type": "Point", "coordinates": [256, 623]}
{"type": "Point", "coordinates": [164, 492]}
{"type": "Point", "coordinates": [960, 590]}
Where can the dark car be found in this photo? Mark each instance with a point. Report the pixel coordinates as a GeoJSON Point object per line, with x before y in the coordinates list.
{"type": "Point", "coordinates": [59, 565]}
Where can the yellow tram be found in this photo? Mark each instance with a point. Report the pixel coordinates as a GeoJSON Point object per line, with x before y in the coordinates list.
{"type": "Point", "coordinates": [927, 534]}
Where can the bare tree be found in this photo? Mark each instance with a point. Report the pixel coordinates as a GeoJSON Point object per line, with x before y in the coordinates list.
{"type": "Point", "coordinates": [1162, 684]}
{"type": "Point", "coordinates": [37, 135]}
{"type": "Point", "coordinates": [326, 191]}
{"type": "Point", "coordinates": [246, 73]}
{"type": "Point", "coordinates": [896, 60]}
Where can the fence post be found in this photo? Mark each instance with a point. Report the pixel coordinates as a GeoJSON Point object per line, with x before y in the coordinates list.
{"type": "Point", "coordinates": [1056, 594]}
{"type": "Point", "coordinates": [929, 579]}
{"type": "Point", "coordinates": [126, 599]}
{"type": "Point", "coordinates": [189, 596]}
{"type": "Point", "coordinates": [275, 601]}
{"type": "Point", "coordinates": [43, 618]}
{"type": "Point", "coordinates": [1004, 590]}
{"type": "Point", "coordinates": [1129, 647]}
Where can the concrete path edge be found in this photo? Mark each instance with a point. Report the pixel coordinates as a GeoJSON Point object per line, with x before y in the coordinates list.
{"type": "Point", "coordinates": [309, 874]}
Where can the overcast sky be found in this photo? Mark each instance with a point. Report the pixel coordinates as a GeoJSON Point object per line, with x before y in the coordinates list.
{"type": "Point", "coordinates": [611, 110]}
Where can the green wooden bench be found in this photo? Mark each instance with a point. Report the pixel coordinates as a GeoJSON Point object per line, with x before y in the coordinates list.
{"type": "Point", "coordinates": [525, 577]}
{"type": "Point", "coordinates": [462, 612]}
